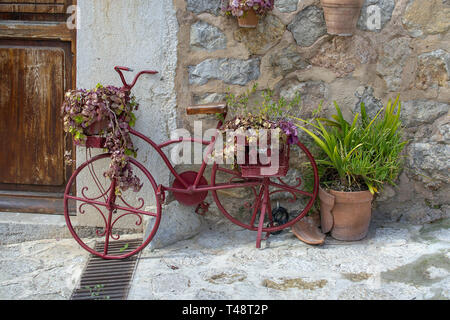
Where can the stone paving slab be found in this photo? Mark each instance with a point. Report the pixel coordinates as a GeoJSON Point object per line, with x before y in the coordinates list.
{"type": "Point", "coordinates": [396, 261]}
{"type": "Point", "coordinates": [40, 270]}
{"type": "Point", "coordinates": [20, 227]}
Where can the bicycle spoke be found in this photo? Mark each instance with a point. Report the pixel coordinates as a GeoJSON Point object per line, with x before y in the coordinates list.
{"type": "Point", "coordinates": [290, 189]}
{"type": "Point", "coordinates": [103, 204]}
{"type": "Point", "coordinates": [146, 213]}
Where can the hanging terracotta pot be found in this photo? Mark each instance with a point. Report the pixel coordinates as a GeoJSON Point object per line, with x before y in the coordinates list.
{"type": "Point", "coordinates": [346, 214]}
{"type": "Point", "coordinates": [249, 19]}
{"type": "Point", "coordinates": [341, 16]}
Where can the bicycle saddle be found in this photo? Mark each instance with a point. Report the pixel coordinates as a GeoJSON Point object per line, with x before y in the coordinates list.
{"type": "Point", "coordinates": [221, 108]}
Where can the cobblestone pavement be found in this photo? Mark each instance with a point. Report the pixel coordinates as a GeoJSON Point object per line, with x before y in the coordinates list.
{"type": "Point", "coordinates": [395, 261]}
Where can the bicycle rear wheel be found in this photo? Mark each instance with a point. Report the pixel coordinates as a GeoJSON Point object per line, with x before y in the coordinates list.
{"type": "Point", "coordinates": [108, 217]}
{"type": "Point", "coordinates": [262, 207]}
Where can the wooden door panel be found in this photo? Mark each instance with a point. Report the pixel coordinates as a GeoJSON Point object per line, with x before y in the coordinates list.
{"type": "Point", "coordinates": [31, 136]}
{"type": "Point", "coordinates": [37, 66]}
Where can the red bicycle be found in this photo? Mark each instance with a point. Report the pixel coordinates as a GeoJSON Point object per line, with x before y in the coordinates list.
{"type": "Point", "coordinates": [257, 202]}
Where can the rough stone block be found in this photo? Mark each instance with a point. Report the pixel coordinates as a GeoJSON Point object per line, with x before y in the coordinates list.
{"type": "Point", "coordinates": [368, 19]}
{"type": "Point", "coordinates": [286, 5]}
{"type": "Point", "coordinates": [205, 36]}
{"type": "Point", "coordinates": [308, 26]}
{"type": "Point", "coordinates": [433, 69]}
{"type": "Point", "coordinates": [231, 71]}
{"type": "Point", "coordinates": [426, 17]}
{"type": "Point", "coordinates": [200, 6]}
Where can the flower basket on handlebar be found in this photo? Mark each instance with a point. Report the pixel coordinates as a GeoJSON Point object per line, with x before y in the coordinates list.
{"type": "Point", "coordinates": [101, 118]}
{"type": "Point", "coordinates": [95, 142]}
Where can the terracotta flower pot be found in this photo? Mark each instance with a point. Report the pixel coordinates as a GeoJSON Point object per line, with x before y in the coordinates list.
{"type": "Point", "coordinates": [249, 20]}
{"type": "Point", "coordinates": [341, 16]}
{"type": "Point", "coordinates": [346, 214]}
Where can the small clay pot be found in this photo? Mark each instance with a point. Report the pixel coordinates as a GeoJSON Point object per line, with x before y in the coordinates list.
{"type": "Point", "coordinates": [249, 20]}
{"type": "Point", "coordinates": [346, 214]}
{"type": "Point", "coordinates": [341, 16]}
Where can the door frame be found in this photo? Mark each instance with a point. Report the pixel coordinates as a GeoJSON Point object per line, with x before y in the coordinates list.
{"type": "Point", "coordinates": [27, 198]}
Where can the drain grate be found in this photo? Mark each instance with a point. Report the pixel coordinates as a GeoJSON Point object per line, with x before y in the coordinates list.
{"type": "Point", "coordinates": [108, 279]}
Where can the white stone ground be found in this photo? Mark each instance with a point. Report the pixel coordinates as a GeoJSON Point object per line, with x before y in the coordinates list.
{"type": "Point", "coordinates": [40, 270]}
{"type": "Point", "coordinates": [396, 261]}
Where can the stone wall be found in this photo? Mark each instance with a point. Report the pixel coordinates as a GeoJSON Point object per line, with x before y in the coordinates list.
{"type": "Point", "coordinates": [290, 51]}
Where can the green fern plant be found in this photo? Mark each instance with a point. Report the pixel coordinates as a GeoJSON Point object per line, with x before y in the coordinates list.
{"type": "Point", "coordinates": [364, 151]}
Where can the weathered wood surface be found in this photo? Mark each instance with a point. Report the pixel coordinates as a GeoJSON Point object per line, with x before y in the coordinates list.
{"type": "Point", "coordinates": [37, 65]}
{"type": "Point", "coordinates": [34, 10]}
{"type": "Point", "coordinates": [207, 109]}
{"type": "Point", "coordinates": [31, 92]}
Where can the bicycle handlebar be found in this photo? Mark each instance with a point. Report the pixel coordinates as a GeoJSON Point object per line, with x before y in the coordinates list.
{"type": "Point", "coordinates": [125, 84]}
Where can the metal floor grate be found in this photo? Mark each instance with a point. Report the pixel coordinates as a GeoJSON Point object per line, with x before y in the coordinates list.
{"type": "Point", "coordinates": [108, 279]}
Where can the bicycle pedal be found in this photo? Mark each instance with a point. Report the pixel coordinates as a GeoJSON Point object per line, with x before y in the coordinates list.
{"type": "Point", "coordinates": [161, 194]}
{"type": "Point", "coordinates": [202, 208]}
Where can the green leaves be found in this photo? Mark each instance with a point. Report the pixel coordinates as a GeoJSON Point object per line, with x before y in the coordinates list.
{"type": "Point", "coordinates": [367, 150]}
{"type": "Point", "coordinates": [79, 136]}
{"type": "Point", "coordinates": [78, 119]}
{"type": "Point", "coordinates": [125, 247]}
{"type": "Point", "coordinates": [132, 122]}
{"type": "Point", "coordinates": [264, 106]}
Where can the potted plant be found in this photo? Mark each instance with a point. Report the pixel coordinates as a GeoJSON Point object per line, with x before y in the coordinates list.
{"type": "Point", "coordinates": [247, 11]}
{"type": "Point", "coordinates": [358, 159]}
{"type": "Point", "coordinates": [341, 16]}
{"type": "Point", "coordinates": [100, 118]}
{"type": "Point", "coordinates": [256, 122]}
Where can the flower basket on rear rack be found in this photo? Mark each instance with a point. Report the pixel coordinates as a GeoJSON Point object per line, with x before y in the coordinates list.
{"type": "Point", "coordinates": [265, 131]}
{"type": "Point", "coordinates": [254, 152]}
{"type": "Point", "coordinates": [250, 169]}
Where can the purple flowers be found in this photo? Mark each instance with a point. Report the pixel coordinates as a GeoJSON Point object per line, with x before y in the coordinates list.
{"type": "Point", "coordinates": [290, 129]}
{"type": "Point", "coordinates": [237, 8]}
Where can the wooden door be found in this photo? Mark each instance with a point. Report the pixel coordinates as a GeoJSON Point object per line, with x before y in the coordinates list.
{"type": "Point", "coordinates": [37, 66]}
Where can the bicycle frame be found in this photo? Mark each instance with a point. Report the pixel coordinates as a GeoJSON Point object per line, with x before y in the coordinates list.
{"type": "Point", "coordinates": [188, 188]}
{"type": "Point", "coordinates": [196, 184]}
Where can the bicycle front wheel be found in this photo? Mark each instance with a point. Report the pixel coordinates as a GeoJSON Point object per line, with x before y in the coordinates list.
{"type": "Point", "coordinates": [106, 217]}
